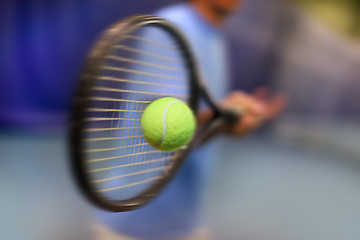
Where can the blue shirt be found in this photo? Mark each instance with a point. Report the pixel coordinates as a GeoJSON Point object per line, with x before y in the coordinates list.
{"type": "Point", "coordinates": [176, 212]}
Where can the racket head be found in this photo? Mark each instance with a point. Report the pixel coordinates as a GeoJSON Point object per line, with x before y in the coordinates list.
{"type": "Point", "coordinates": [126, 70]}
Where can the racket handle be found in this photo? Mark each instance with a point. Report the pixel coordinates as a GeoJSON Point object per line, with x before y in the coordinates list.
{"type": "Point", "coordinates": [227, 117]}
{"type": "Point", "coordinates": [231, 116]}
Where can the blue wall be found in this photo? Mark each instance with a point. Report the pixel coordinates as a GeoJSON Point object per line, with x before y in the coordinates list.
{"type": "Point", "coordinates": [43, 45]}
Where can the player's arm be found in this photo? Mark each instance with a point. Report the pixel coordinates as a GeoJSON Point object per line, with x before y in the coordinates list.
{"type": "Point", "coordinates": [257, 109]}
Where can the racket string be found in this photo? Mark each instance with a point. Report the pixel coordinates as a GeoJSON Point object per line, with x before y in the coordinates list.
{"type": "Point", "coordinates": [145, 63]}
{"type": "Point", "coordinates": [139, 82]}
{"type": "Point", "coordinates": [138, 69]}
{"type": "Point", "coordinates": [147, 40]}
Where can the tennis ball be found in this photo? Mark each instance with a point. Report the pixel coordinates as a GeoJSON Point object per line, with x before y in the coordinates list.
{"type": "Point", "coordinates": [168, 124]}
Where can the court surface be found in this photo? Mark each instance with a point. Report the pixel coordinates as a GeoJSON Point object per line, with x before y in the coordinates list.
{"type": "Point", "coordinates": [263, 189]}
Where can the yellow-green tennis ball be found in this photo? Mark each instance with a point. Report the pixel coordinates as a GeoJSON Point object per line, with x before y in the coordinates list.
{"type": "Point", "coordinates": [168, 124]}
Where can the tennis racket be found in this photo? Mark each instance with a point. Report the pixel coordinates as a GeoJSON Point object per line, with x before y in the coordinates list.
{"type": "Point", "coordinates": [133, 63]}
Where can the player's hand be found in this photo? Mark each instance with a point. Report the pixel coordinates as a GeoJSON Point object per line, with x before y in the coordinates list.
{"type": "Point", "coordinates": [257, 108]}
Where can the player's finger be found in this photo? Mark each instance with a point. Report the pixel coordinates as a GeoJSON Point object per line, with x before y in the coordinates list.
{"type": "Point", "coordinates": [261, 93]}
{"type": "Point", "coordinates": [248, 123]}
{"type": "Point", "coordinates": [276, 105]}
{"type": "Point", "coordinates": [246, 101]}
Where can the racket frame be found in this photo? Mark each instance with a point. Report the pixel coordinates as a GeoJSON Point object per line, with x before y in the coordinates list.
{"type": "Point", "coordinates": [90, 71]}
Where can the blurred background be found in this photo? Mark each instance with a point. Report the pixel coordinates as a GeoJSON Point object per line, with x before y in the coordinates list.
{"type": "Point", "coordinates": [296, 179]}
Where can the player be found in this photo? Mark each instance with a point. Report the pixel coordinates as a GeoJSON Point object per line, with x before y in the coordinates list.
{"type": "Point", "coordinates": [176, 212]}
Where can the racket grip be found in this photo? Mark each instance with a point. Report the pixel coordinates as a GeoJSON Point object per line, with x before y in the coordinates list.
{"type": "Point", "coordinates": [231, 116]}
{"type": "Point", "coordinates": [227, 117]}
